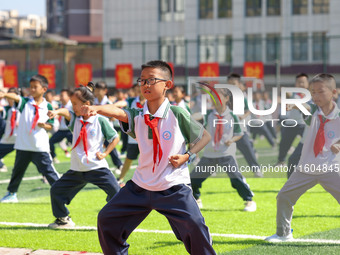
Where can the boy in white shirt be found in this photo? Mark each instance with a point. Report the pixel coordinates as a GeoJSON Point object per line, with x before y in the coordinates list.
{"type": "Point", "coordinates": [161, 180]}
{"type": "Point", "coordinates": [320, 158]}
{"type": "Point", "coordinates": [32, 143]}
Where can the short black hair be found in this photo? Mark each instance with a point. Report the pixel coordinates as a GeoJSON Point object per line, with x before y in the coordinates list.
{"type": "Point", "coordinates": [101, 85]}
{"type": "Point", "coordinates": [234, 76]}
{"type": "Point", "coordinates": [67, 91]}
{"type": "Point", "coordinates": [13, 90]}
{"type": "Point", "coordinates": [41, 79]}
{"type": "Point", "coordinates": [164, 66]}
{"type": "Point", "coordinates": [324, 78]}
{"type": "Point", "coordinates": [301, 75]}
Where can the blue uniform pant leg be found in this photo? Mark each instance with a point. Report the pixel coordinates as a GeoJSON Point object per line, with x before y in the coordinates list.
{"type": "Point", "coordinates": [114, 156]}
{"type": "Point", "coordinates": [104, 179]}
{"type": "Point", "coordinates": [237, 180]}
{"type": "Point", "coordinates": [43, 161]}
{"type": "Point", "coordinates": [120, 216]}
{"type": "Point", "coordinates": [265, 131]}
{"type": "Point", "coordinates": [64, 190]}
{"type": "Point", "coordinates": [199, 174]}
{"type": "Point", "coordinates": [287, 139]}
{"type": "Point", "coordinates": [58, 137]}
{"type": "Point", "coordinates": [4, 150]}
{"type": "Point", "coordinates": [178, 205]}
{"type": "Point", "coordinates": [22, 160]}
{"type": "Point", "coordinates": [245, 147]}
{"type": "Point", "coordinates": [293, 160]}
{"type": "Point", "coordinates": [270, 128]}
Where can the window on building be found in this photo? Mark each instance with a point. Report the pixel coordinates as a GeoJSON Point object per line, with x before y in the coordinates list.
{"type": "Point", "coordinates": [179, 50]}
{"type": "Point", "coordinates": [320, 6]}
{"type": "Point", "coordinates": [225, 9]}
{"type": "Point", "coordinates": [207, 48]}
{"type": "Point", "coordinates": [273, 47]}
{"type": "Point", "coordinates": [299, 47]}
{"type": "Point", "coordinates": [165, 10]}
{"type": "Point", "coordinates": [273, 7]}
{"type": "Point", "coordinates": [206, 9]}
{"type": "Point", "coordinates": [300, 7]}
{"type": "Point", "coordinates": [178, 9]}
{"type": "Point", "coordinates": [173, 49]}
{"type": "Point", "coordinates": [320, 46]}
{"type": "Point", "coordinates": [116, 43]}
{"type": "Point", "coordinates": [253, 47]}
{"type": "Point", "coordinates": [224, 48]}
{"type": "Point", "coordinates": [253, 8]}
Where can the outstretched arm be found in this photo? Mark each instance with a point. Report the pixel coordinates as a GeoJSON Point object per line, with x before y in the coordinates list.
{"type": "Point", "coordinates": [105, 110]}
{"type": "Point", "coordinates": [12, 96]}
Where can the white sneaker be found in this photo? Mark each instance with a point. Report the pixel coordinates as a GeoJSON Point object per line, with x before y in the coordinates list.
{"type": "Point", "coordinates": [199, 203]}
{"type": "Point", "coordinates": [118, 171]}
{"type": "Point", "coordinates": [275, 238]}
{"type": "Point", "coordinates": [63, 222]}
{"type": "Point", "coordinates": [67, 154]}
{"type": "Point", "coordinates": [250, 206]}
{"type": "Point", "coordinates": [3, 169]}
{"type": "Point", "coordinates": [56, 161]}
{"type": "Point", "coordinates": [10, 198]}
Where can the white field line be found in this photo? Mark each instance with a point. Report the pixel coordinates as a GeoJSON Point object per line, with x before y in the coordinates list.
{"type": "Point", "coordinates": [237, 236]}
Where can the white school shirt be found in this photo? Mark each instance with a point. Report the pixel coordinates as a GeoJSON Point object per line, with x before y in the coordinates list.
{"type": "Point", "coordinates": [212, 150]}
{"type": "Point", "coordinates": [176, 128]}
{"type": "Point", "coordinates": [98, 130]}
{"type": "Point", "coordinates": [38, 139]}
{"type": "Point", "coordinates": [326, 160]}
{"type": "Point", "coordinates": [7, 115]}
{"type": "Point", "coordinates": [63, 125]}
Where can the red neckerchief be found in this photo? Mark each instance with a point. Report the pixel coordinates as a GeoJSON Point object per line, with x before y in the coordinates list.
{"type": "Point", "coordinates": [13, 120]}
{"type": "Point", "coordinates": [139, 105]}
{"type": "Point", "coordinates": [36, 117]}
{"type": "Point", "coordinates": [319, 141]}
{"type": "Point", "coordinates": [155, 138]}
{"type": "Point", "coordinates": [218, 132]}
{"type": "Point", "coordinates": [82, 136]}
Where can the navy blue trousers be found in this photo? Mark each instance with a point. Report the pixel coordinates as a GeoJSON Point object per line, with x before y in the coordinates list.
{"type": "Point", "coordinates": [245, 147]}
{"type": "Point", "coordinates": [65, 189]}
{"type": "Point", "coordinates": [58, 137]}
{"type": "Point", "coordinates": [5, 148]}
{"type": "Point", "coordinates": [236, 178]}
{"type": "Point", "coordinates": [43, 162]}
{"type": "Point", "coordinates": [132, 204]}
{"type": "Point", "coordinates": [287, 139]}
{"type": "Point", "coordinates": [293, 160]}
{"type": "Point", "coordinates": [263, 130]}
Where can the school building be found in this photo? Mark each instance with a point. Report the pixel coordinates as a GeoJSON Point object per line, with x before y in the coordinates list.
{"type": "Point", "coordinates": [287, 36]}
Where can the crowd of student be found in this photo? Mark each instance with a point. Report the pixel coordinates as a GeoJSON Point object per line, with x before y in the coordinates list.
{"type": "Point", "coordinates": [153, 118]}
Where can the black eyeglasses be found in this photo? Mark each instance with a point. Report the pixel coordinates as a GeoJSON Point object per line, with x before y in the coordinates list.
{"type": "Point", "coordinates": [149, 81]}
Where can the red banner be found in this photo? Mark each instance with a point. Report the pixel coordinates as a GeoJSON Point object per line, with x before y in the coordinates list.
{"type": "Point", "coordinates": [253, 69]}
{"type": "Point", "coordinates": [10, 76]}
{"type": "Point", "coordinates": [209, 69]}
{"type": "Point", "coordinates": [49, 72]}
{"type": "Point", "coordinates": [82, 74]}
{"type": "Point", "coordinates": [124, 76]}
